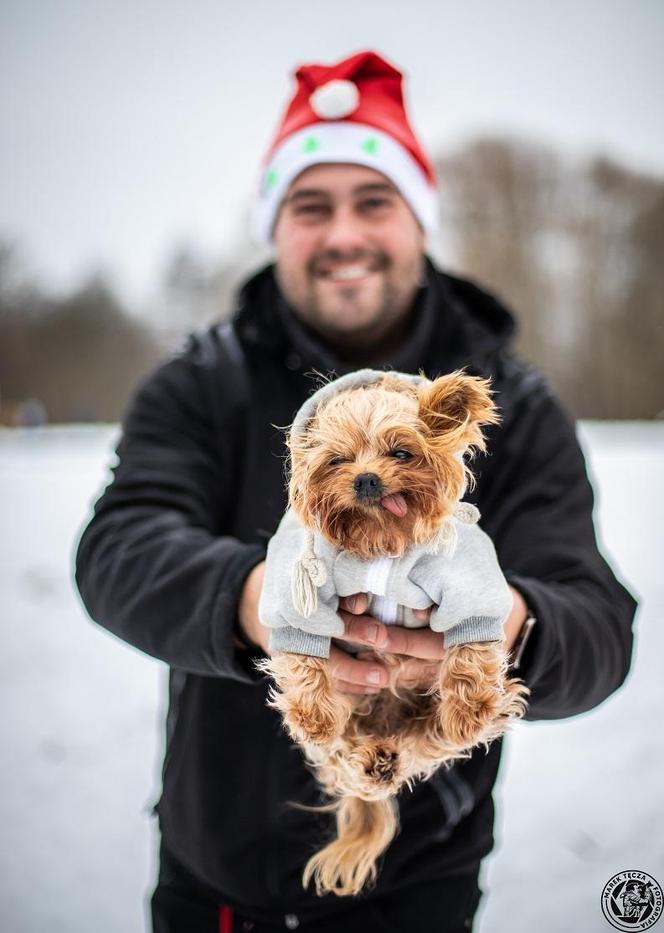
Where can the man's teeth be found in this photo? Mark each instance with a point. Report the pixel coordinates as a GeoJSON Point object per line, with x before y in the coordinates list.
{"type": "Point", "coordinates": [349, 272]}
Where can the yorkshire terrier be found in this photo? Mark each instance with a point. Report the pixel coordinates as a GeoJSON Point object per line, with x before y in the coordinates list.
{"type": "Point", "coordinates": [377, 473]}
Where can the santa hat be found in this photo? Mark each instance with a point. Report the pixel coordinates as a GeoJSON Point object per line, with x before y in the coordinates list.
{"type": "Point", "coordinates": [349, 112]}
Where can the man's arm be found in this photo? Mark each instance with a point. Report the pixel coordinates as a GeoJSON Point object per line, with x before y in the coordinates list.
{"type": "Point", "coordinates": [536, 505]}
{"type": "Point", "coordinates": [152, 566]}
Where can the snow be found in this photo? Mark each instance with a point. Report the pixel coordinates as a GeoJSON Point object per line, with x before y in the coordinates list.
{"type": "Point", "coordinates": [580, 800]}
{"type": "Point", "coordinates": [577, 801]}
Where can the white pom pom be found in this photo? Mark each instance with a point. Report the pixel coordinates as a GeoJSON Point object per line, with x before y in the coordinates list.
{"type": "Point", "coordinates": [335, 99]}
{"type": "Point", "coordinates": [467, 513]}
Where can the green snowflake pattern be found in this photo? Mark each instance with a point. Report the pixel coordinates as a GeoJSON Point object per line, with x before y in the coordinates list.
{"type": "Point", "coordinates": [310, 144]}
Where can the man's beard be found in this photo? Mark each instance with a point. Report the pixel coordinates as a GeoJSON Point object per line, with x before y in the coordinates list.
{"type": "Point", "coordinates": [321, 311]}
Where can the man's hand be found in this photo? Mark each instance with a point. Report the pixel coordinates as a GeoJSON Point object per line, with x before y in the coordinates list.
{"type": "Point", "coordinates": [514, 622]}
{"type": "Point", "coordinates": [250, 624]}
{"type": "Point", "coordinates": [353, 674]}
{"type": "Point", "coordinates": [425, 647]}
{"type": "Point", "coordinates": [362, 673]}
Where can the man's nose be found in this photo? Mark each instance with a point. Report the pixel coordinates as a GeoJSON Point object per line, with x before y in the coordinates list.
{"type": "Point", "coordinates": [368, 486]}
{"type": "Point", "coordinates": [344, 232]}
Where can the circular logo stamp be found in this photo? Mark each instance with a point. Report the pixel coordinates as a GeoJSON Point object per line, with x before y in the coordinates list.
{"type": "Point", "coordinates": [632, 900]}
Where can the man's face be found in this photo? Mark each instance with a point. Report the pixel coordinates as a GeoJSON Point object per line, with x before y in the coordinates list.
{"type": "Point", "coordinates": [349, 253]}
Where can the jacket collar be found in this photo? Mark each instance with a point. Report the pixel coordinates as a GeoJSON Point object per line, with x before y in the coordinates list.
{"type": "Point", "coordinates": [452, 319]}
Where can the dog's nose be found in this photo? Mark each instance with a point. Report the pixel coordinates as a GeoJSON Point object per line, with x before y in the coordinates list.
{"type": "Point", "coordinates": [368, 486]}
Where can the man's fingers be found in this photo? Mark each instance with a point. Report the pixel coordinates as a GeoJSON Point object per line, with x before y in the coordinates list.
{"type": "Point", "coordinates": [364, 630]}
{"type": "Point", "coordinates": [412, 673]}
{"type": "Point", "coordinates": [343, 686]}
{"type": "Point", "coordinates": [357, 604]}
{"type": "Point", "coordinates": [416, 642]}
{"type": "Point", "coordinates": [345, 668]}
{"type": "Point", "coordinates": [418, 674]}
{"type": "Point", "coordinates": [422, 614]}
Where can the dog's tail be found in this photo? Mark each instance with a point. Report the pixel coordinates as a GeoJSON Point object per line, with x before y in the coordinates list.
{"type": "Point", "coordinates": [365, 829]}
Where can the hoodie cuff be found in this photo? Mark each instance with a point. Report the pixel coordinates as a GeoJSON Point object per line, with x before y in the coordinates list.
{"type": "Point", "coordinates": [296, 641]}
{"type": "Point", "coordinates": [474, 629]}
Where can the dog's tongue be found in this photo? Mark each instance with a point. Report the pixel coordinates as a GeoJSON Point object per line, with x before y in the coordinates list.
{"type": "Point", "coordinates": [396, 504]}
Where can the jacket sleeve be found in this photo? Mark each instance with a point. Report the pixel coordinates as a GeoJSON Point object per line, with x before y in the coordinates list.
{"type": "Point", "coordinates": [539, 511]}
{"type": "Point", "coordinates": [152, 566]}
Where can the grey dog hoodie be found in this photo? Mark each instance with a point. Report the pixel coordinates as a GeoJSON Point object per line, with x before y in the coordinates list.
{"type": "Point", "coordinates": [456, 573]}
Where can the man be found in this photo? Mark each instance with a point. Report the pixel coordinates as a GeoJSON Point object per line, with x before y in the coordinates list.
{"type": "Point", "coordinates": [173, 559]}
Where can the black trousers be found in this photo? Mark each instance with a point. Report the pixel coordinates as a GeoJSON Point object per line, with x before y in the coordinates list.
{"type": "Point", "coordinates": [181, 905]}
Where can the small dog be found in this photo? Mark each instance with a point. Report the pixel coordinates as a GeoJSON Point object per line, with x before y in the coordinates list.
{"type": "Point", "coordinates": [377, 474]}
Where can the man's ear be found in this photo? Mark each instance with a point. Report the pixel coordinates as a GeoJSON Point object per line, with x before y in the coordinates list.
{"type": "Point", "coordinates": [458, 405]}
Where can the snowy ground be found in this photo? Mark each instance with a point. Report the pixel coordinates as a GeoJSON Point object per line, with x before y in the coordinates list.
{"type": "Point", "coordinates": [578, 800]}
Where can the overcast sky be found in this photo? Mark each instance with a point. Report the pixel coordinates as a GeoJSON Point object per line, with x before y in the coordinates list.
{"type": "Point", "coordinates": [127, 126]}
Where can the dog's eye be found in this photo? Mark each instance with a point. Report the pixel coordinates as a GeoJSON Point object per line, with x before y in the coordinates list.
{"type": "Point", "coordinates": [336, 461]}
{"type": "Point", "coordinates": [401, 454]}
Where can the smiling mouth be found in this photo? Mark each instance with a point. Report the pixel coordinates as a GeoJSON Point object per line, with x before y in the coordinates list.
{"type": "Point", "coordinates": [346, 275]}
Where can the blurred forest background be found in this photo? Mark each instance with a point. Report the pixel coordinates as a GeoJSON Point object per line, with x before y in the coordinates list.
{"type": "Point", "coordinates": [575, 249]}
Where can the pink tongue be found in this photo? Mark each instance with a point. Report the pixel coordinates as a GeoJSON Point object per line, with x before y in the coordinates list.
{"type": "Point", "coordinates": [396, 504]}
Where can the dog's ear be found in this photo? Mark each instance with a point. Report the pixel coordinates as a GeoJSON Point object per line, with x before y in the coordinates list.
{"type": "Point", "coordinates": [458, 405]}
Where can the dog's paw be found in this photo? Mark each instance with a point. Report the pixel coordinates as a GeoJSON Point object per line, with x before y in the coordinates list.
{"type": "Point", "coordinates": [312, 711]}
{"type": "Point", "coordinates": [478, 702]}
{"type": "Point", "coordinates": [383, 764]}
{"type": "Point", "coordinates": [372, 770]}
{"type": "Point", "coordinates": [318, 719]}
{"type": "Point", "coordinates": [311, 725]}
{"type": "Point", "coordinates": [468, 719]}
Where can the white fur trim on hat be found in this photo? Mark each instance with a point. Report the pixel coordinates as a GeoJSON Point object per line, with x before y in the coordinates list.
{"type": "Point", "coordinates": [356, 143]}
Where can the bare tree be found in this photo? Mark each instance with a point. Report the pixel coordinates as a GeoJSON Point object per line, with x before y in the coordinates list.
{"type": "Point", "coordinates": [571, 247]}
{"type": "Point", "coordinates": [78, 356]}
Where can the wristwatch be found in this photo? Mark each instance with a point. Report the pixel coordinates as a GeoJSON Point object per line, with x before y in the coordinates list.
{"type": "Point", "coordinates": [519, 646]}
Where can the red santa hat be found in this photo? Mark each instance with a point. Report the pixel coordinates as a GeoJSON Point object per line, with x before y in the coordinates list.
{"type": "Point", "coordinates": [349, 112]}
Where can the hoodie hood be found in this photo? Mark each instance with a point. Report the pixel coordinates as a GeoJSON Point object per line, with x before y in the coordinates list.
{"type": "Point", "coordinates": [354, 380]}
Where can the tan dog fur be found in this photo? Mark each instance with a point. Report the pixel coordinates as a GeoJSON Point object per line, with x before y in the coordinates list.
{"type": "Point", "coordinates": [365, 748]}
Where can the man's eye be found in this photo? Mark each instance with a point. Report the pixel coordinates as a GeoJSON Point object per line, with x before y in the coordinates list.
{"type": "Point", "coordinates": [400, 454]}
{"type": "Point", "coordinates": [372, 204]}
{"type": "Point", "coordinates": [310, 209]}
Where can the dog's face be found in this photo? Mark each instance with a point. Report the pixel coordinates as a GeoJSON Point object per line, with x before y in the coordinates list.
{"type": "Point", "coordinates": [379, 467]}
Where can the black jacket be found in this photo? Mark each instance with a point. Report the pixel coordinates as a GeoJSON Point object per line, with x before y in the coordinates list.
{"type": "Point", "coordinates": [198, 490]}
